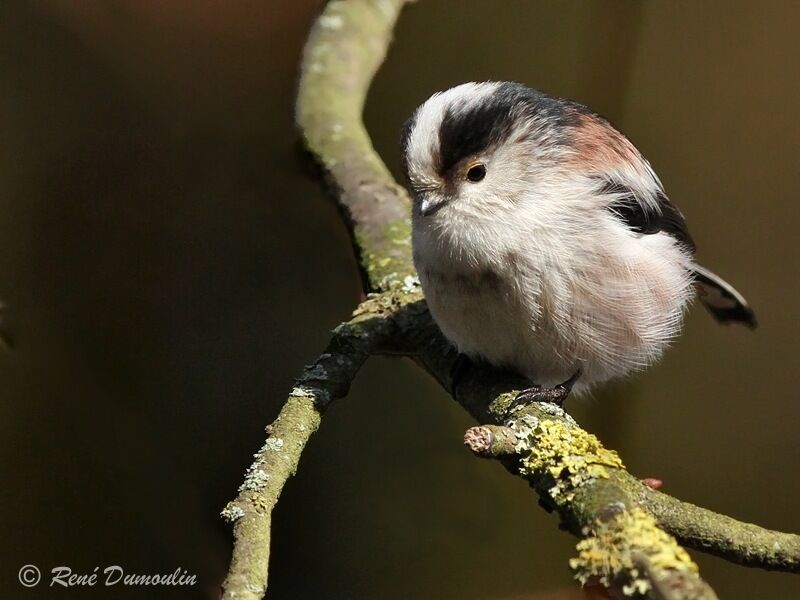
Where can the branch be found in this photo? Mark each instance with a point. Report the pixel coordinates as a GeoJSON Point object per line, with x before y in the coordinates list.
{"type": "Point", "coordinates": [699, 528]}
{"type": "Point", "coordinates": [623, 524]}
{"type": "Point", "coordinates": [742, 543]}
{"type": "Point", "coordinates": [534, 431]}
{"type": "Point", "coordinates": [347, 44]}
{"type": "Point", "coordinates": [623, 547]}
{"type": "Point", "coordinates": [344, 50]}
{"type": "Point", "coordinates": [320, 383]}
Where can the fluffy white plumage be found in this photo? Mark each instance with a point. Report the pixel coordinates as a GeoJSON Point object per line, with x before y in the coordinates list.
{"type": "Point", "coordinates": [531, 267]}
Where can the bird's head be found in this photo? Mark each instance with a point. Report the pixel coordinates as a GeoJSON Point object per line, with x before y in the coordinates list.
{"type": "Point", "coordinates": [486, 151]}
{"type": "Point", "coordinates": [477, 148]}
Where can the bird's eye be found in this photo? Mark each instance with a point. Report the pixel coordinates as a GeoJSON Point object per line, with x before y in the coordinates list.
{"type": "Point", "coordinates": [476, 172]}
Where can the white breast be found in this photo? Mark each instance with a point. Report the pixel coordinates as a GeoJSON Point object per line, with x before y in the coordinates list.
{"type": "Point", "coordinates": [607, 301]}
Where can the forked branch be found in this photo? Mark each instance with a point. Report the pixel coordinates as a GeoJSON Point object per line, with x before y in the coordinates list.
{"type": "Point", "coordinates": [629, 533]}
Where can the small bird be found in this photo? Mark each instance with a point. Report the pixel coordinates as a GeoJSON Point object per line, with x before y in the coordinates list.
{"type": "Point", "coordinates": [544, 241]}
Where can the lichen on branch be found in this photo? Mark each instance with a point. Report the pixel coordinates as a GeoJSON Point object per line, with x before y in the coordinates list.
{"type": "Point", "coordinates": [570, 456]}
{"type": "Point", "coordinates": [622, 546]}
{"type": "Point", "coordinates": [630, 552]}
{"type": "Point", "coordinates": [346, 46]}
{"type": "Point", "coordinates": [320, 383]}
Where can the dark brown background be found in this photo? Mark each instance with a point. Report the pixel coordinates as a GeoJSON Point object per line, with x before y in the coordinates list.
{"type": "Point", "coordinates": [170, 269]}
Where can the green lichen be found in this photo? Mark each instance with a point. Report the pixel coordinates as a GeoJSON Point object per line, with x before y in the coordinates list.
{"type": "Point", "coordinates": [377, 266]}
{"type": "Point", "coordinates": [398, 233]}
{"type": "Point", "coordinates": [255, 478]}
{"type": "Point", "coordinates": [386, 304]}
{"type": "Point", "coordinates": [274, 444]}
{"type": "Point", "coordinates": [302, 392]}
{"type": "Point", "coordinates": [351, 329]}
{"type": "Point", "coordinates": [620, 550]}
{"type": "Point", "coordinates": [568, 455]}
{"type": "Point", "coordinates": [333, 22]}
{"type": "Point", "coordinates": [385, 254]}
{"type": "Point", "coordinates": [502, 404]}
{"type": "Point", "coordinates": [231, 513]}
{"type": "Point", "coordinates": [411, 284]}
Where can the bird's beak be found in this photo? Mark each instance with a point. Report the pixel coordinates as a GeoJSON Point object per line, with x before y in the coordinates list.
{"type": "Point", "coordinates": [429, 204]}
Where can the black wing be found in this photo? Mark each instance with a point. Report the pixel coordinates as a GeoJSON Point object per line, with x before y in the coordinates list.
{"type": "Point", "coordinates": [721, 299]}
{"type": "Point", "coordinates": [638, 218]}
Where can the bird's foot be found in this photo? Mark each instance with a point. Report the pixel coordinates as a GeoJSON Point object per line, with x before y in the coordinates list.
{"type": "Point", "coordinates": [652, 483]}
{"type": "Point", "coordinates": [555, 395]}
{"type": "Point", "coordinates": [462, 364]}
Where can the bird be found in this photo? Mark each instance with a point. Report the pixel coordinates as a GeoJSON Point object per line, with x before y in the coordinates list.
{"type": "Point", "coordinates": [544, 241]}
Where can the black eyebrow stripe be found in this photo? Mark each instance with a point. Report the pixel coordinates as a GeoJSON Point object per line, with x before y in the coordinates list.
{"type": "Point", "coordinates": [473, 126]}
{"type": "Point", "coordinates": [468, 130]}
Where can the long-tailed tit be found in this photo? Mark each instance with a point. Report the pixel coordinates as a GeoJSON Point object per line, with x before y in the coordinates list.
{"type": "Point", "coordinates": [545, 242]}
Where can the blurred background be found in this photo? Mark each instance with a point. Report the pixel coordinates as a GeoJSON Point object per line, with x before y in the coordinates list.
{"type": "Point", "coordinates": [169, 268]}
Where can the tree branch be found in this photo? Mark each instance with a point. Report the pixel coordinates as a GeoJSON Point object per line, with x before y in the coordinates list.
{"type": "Point", "coordinates": [320, 383]}
{"type": "Point", "coordinates": [344, 50]}
{"type": "Point", "coordinates": [624, 525]}
{"type": "Point", "coordinates": [742, 543]}
{"type": "Point", "coordinates": [623, 546]}
{"type": "Point", "coordinates": [699, 528]}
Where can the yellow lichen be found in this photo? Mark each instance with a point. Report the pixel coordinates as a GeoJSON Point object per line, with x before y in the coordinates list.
{"type": "Point", "coordinates": [259, 503]}
{"type": "Point", "coordinates": [620, 549]}
{"type": "Point", "coordinates": [570, 455]}
{"type": "Point", "coordinates": [500, 406]}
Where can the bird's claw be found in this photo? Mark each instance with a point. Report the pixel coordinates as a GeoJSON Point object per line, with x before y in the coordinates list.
{"type": "Point", "coordinates": [555, 395]}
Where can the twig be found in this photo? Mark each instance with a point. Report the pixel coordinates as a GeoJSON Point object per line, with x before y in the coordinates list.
{"type": "Point", "coordinates": [344, 50]}
{"type": "Point", "coordinates": [705, 530]}
{"type": "Point", "coordinates": [327, 379]}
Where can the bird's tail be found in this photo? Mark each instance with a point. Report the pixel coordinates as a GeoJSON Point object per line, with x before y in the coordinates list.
{"type": "Point", "coordinates": [721, 298]}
